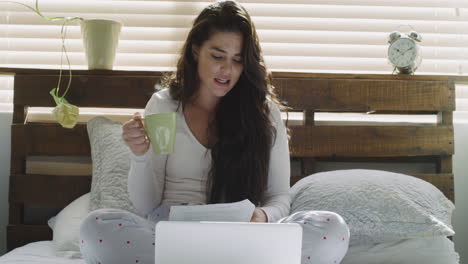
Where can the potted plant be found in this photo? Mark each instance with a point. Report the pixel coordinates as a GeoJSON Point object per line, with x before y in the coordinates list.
{"type": "Point", "coordinates": [100, 39]}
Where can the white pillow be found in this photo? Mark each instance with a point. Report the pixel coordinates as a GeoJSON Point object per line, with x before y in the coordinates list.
{"type": "Point", "coordinates": [66, 229]}
{"type": "Point", "coordinates": [51, 222]}
{"type": "Point", "coordinates": [429, 250]}
{"type": "Point", "coordinates": [377, 205]}
{"type": "Point", "coordinates": [111, 164]}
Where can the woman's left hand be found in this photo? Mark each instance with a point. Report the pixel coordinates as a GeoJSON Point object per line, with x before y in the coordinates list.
{"type": "Point", "coordinates": [259, 216]}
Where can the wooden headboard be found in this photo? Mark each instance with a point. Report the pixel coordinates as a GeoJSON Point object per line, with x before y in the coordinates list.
{"type": "Point", "coordinates": [310, 142]}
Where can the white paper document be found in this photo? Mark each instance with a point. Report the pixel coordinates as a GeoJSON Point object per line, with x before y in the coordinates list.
{"type": "Point", "coordinates": [224, 212]}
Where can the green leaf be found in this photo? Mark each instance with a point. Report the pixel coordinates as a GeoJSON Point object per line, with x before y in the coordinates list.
{"type": "Point", "coordinates": [58, 99]}
{"type": "Point", "coordinates": [66, 114]}
{"type": "Point", "coordinates": [53, 94]}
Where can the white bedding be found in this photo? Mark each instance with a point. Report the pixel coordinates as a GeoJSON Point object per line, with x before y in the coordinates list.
{"type": "Point", "coordinates": [431, 250]}
{"type": "Point", "coordinates": [437, 250]}
{"type": "Point", "coordinates": [36, 253]}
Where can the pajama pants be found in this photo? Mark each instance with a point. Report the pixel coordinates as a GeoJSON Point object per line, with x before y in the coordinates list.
{"type": "Point", "coordinates": [117, 236]}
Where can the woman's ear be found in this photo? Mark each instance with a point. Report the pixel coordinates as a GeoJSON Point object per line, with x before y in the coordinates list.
{"type": "Point", "coordinates": [195, 52]}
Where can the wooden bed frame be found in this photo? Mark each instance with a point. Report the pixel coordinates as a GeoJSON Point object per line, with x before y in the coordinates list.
{"type": "Point", "coordinates": [305, 92]}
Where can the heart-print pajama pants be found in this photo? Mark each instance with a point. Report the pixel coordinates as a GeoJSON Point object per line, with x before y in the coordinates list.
{"type": "Point", "coordinates": [117, 236]}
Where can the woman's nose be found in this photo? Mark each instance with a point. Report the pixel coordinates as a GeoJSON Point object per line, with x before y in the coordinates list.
{"type": "Point", "coordinates": [226, 67]}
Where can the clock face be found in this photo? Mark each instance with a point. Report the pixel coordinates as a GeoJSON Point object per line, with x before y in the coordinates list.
{"type": "Point", "coordinates": [402, 52]}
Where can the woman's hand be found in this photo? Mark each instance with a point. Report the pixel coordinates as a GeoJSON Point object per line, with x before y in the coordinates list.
{"type": "Point", "coordinates": [259, 216]}
{"type": "Point", "coordinates": [134, 135]}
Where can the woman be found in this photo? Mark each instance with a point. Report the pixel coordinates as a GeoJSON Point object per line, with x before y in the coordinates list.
{"type": "Point", "coordinates": [231, 143]}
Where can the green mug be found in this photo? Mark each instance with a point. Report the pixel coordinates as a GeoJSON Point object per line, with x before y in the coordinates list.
{"type": "Point", "coordinates": [161, 130]}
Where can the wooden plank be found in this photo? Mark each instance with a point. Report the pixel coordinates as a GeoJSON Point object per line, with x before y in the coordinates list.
{"type": "Point", "coordinates": [295, 178]}
{"type": "Point", "coordinates": [276, 74]}
{"type": "Point", "coordinates": [445, 118]}
{"type": "Point", "coordinates": [340, 95]}
{"type": "Point", "coordinates": [349, 95]}
{"type": "Point", "coordinates": [17, 166]}
{"type": "Point", "coordinates": [358, 76]}
{"type": "Point", "coordinates": [308, 166]}
{"type": "Point", "coordinates": [19, 114]}
{"type": "Point", "coordinates": [86, 90]}
{"type": "Point", "coordinates": [390, 112]}
{"type": "Point", "coordinates": [443, 181]}
{"type": "Point", "coordinates": [59, 165]}
{"type": "Point", "coordinates": [410, 159]}
{"type": "Point", "coordinates": [366, 141]}
{"type": "Point", "coordinates": [20, 235]}
{"type": "Point", "coordinates": [445, 164]}
{"type": "Point", "coordinates": [18, 149]}
{"type": "Point", "coordinates": [32, 71]}
{"type": "Point", "coordinates": [48, 190]}
{"type": "Point", "coordinates": [309, 117]}
{"type": "Point", "coordinates": [16, 211]}
{"type": "Point", "coordinates": [54, 140]}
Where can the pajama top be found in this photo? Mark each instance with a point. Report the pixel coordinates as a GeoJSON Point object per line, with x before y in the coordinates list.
{"type": "Point", "coordinates": [180, 177]}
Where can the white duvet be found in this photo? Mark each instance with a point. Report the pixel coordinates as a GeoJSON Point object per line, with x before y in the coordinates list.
{"type": "Point", "coordinates": [36, 253]}
{"type": "Point", "coordinates": [438, 250]}
{"type": "Point", "coordinates": [432, 250]}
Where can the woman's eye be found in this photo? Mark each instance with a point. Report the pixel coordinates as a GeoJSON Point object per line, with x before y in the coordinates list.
{"type": "Point", "coordinates": [221, 57]}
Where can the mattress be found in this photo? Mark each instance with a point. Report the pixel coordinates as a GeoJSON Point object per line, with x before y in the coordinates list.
{"type": "Point", "coordinates": [40, 252]}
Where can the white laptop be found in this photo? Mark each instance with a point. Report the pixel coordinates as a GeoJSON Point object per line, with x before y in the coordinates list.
{"type": "Point", "coordinates": [227, 243]}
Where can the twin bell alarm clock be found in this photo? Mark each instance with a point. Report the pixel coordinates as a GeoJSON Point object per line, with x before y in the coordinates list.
{"type": "Point", "coordinates": [404, 53]}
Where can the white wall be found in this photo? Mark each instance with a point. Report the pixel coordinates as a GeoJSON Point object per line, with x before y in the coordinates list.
{"type": "Point", "coordinates": [5, 123]}
{"type": "Point", "coordinates": [461, 186]}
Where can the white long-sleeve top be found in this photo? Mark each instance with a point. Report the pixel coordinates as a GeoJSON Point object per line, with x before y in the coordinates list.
{"type": "Point", "coordinates": [180, 177]}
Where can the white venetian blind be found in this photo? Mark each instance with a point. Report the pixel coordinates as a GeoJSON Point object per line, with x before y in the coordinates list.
{"type": "Point", "coordinates": [296, 35]}
{"type": "Point", "coordinates": [6, 93]}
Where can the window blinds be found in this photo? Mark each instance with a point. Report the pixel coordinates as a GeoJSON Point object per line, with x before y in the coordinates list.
{"type": "Point", "coordinates": [296, 35]}
{"type": "Point", "coordinates": [6, 93]}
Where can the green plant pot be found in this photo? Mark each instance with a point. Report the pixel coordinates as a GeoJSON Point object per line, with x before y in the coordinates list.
{"type": "Point", "coordinates": [100, 40]}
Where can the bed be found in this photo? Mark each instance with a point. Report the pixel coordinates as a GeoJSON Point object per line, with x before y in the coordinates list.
{"type": "Point", "coordinates": [37, 195]}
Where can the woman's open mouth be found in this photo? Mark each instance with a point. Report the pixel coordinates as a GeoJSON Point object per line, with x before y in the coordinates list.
{"type": "Point", "coordinates": [222, 82]}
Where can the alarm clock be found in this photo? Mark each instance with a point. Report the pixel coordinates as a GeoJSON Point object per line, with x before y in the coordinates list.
{"type": "Point", "coordinates": [404, 53]}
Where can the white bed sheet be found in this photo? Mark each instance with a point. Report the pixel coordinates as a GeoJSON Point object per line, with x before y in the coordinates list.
{"type": "Point", "coordinates": [438, 250]}
{"type": "Point", "coordinates": [40, 252]}
{"type": "Point", "coordinates": [431, 250]}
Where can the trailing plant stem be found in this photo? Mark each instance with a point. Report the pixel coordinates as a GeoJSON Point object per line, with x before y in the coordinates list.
{"type": "Point", "coordinates": [63, 35]}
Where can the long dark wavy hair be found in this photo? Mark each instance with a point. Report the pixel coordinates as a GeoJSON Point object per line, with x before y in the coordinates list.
{"type": "Point", "coordinates": [242, 128]}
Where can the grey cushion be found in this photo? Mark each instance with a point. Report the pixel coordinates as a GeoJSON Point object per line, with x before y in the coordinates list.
{"type": "Point", "coordinates": [111, 164]}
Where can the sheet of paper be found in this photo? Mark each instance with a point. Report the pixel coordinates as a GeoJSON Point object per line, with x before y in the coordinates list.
{"type": "Point", "coordinates": [225, 212]}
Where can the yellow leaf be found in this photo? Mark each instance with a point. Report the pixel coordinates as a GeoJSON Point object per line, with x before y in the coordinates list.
{"type": "Point", "coordinates": [66, 114]}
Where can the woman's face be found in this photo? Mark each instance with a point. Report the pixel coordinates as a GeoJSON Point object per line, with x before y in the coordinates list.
{"type": "Point", "coordinates": [219, 63]}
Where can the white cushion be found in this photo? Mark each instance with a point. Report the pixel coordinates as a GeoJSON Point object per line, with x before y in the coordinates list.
{"type": "Point", "coordinates": [111, 164]}
{"type": "Point", "coordinates": [377, 205]}
{"type": "Point", "coordinates": [66, 227]}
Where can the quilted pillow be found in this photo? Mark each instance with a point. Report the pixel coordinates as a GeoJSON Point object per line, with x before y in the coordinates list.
{"type": "Point", "coordinates": [378, 206]}
{"type": "Point", "coordinates": [111, 165]}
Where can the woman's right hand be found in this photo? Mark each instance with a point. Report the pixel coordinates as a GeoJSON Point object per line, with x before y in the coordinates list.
{"type": "Point", "coordinates": [134, 135]}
